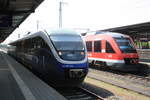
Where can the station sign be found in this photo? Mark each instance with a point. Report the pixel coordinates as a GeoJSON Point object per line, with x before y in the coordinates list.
{"type": "Point", "coordinates": [5, 20]}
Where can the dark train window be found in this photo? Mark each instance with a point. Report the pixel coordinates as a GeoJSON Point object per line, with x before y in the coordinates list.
{"type": "Point", "coordinates": [19, 48]}
{"type": "Point", "coordinates": [13, 44]}
{"type": "Point", "coordinates": [27, 45]}
{"type": "Point", "coordinates": [89, 46]}
{"type": "Point", "coordinates": [97, 46]}
{"type": "Point", "coordinates": [23, 46]}
{"type": "Point", "coordinates": [109, 48]}
{"type": "Point", "coordinates": [31, 45]}
{"type": "Point", "coordinates": [38, 42]}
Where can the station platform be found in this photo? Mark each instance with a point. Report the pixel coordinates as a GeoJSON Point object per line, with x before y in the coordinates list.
{"type": "Point", "coordinates": [17, 83]}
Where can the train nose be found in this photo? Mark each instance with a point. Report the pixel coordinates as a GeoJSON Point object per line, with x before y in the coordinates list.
{"type": "Point", "coordinates": [134, 61]}
{"type": "Point", "coordinates": [76, 73]}
{"type": "Point", "coordinates": [130, 61]}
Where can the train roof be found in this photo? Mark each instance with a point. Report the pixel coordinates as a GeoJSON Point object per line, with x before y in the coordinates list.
{"type": "Point", "coordinates": [27, 36]}
{"type": "Point", "coordinates": [112, 34]}
{"type": "Point", "coordinates": [48, 32]}
{"type": "Point", "coordinates": [62, 32]}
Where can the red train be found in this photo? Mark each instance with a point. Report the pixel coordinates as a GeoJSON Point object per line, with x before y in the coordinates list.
{"type": "Point", "coordinates": [112, 50]}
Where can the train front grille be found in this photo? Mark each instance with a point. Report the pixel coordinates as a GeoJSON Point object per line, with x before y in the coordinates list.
{"type": "Point", "coordinates": [75, 73]}
{"type": "Point", "coordinates": [131, 61]}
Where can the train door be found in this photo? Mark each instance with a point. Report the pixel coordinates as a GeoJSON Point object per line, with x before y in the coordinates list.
{"type": "Point", "coordinates": [89, 50]}
{"type": "Point", "coordinates": [97, 48]}
{"type": "Point", "coordinates": [103, 48]}
{"type": "Point", "coordinates": [109, 55]}
{"type": "Point", "coordinates": [98, 52]}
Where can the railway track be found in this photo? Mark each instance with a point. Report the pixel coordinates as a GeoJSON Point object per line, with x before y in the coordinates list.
{"type": "Point", "coordinates": [142, 80]}
{"type": "Point", "coordinates": [135, 78]}
{"type": "Point", "coordinates": [139, 84]}
{"type": "Point", "coordinates": [78, 93]}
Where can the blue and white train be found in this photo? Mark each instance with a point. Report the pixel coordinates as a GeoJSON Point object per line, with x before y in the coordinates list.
{"type": "Point", "coordinates": [57, 56]}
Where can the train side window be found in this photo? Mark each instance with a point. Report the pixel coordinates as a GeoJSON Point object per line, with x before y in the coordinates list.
{"type": "Point", "coordinates": [89, 46]}
{"type": "Point", "coordinates": [33, 42]}
{"type": "Point", "coordinates": [44, 44]}
{"type": "Point", "coordinates": [18, 46]}
{"type": "Point", "coordinates": [97, 46]}
{"type": "Point", "coordinates": [13, 44]}
{"type": "Point", "coordinates": [22, 46]}
{"type": "Point", "coordinates": [40, 43]}
{"type": "Point", "coordinates": [109, 48]}
{"type": "Point", "coordinates": [28, 46]}
{"type": "Point", "coordinates": [25, 45]}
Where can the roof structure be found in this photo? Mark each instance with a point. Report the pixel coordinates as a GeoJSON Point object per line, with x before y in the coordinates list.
{"type": "Point", "coordinates": [142, 27]}
{"type": "Point", "coordinates": [141, 30]}
{"type": "Point", "coordinates": [13, 13]}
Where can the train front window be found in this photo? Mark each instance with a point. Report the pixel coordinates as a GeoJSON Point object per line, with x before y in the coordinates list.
{"type": "Point", "coordinates": [69, 47]}
{"type": "Point", "coordinates": [125, 45]}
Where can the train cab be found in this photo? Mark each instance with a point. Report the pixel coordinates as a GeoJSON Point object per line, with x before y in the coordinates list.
{"type": "Point", "coordinates": [113, 50]}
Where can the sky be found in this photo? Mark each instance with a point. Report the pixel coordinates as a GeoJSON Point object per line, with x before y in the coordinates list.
{"type": "Point", "coordinates": [85, 14]}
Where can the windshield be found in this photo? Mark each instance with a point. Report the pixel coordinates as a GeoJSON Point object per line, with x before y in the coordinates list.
{"type": "Point", "coordinates": [69, 47]}
{"type": "Point", "coordinates": [125, 45]}
{"type": "Point", "coordinates": [67, 43]}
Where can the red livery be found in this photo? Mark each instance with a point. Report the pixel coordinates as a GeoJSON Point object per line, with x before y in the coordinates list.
{"type": "Point", "coordinates": [114, 50]}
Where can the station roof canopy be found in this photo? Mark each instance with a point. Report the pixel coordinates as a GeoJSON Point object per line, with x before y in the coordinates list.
{"type": "Point", "coordinates": [13, 13]}
{"type": "Point", "coordinates": [140, 28]}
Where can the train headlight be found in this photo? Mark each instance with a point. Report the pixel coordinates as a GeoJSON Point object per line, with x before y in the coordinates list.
{"type": "Point", "coordinates": [82, 53]}
{"type": "Point", "coordinates": [59, 53]}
